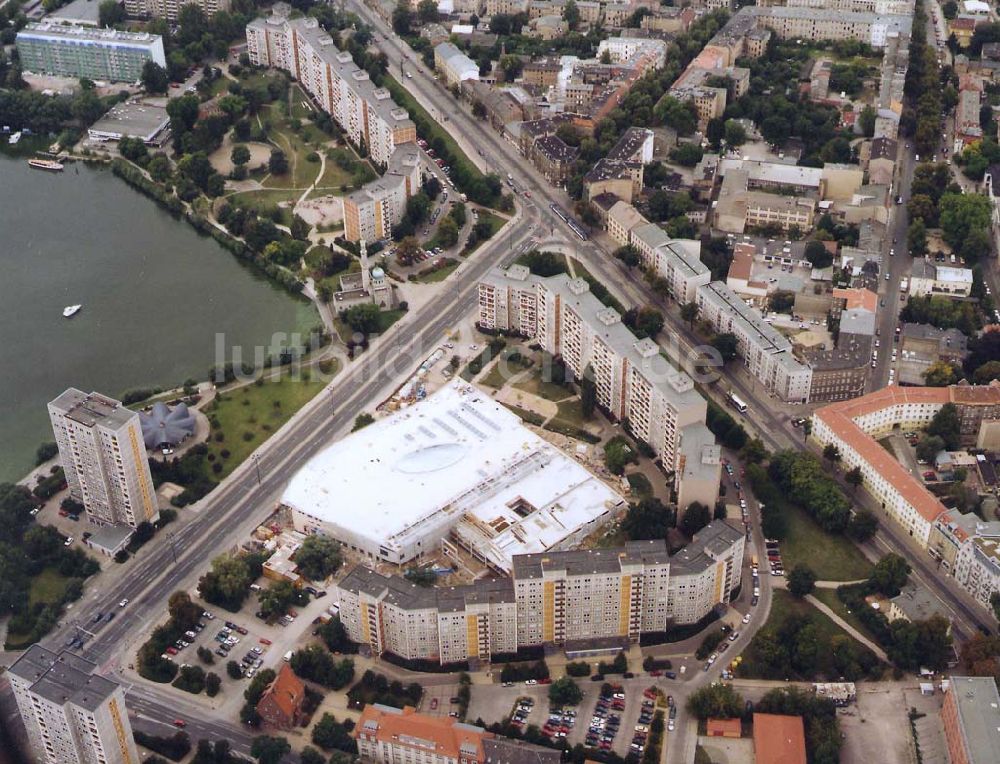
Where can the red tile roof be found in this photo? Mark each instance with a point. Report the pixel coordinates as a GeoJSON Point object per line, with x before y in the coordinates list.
{"type": "Point", "coordinates": [724, 728]}
{"type": "Point", "coordinates": [285, 693]}
{"type": "Point", "coordinates": [857, 298]}
{"type": "Point", "coordinates": [840, 418]}
{"type": "Point", "coordinates": [444, 734]}
{"type": "Point", "coordinates": [779, 739]}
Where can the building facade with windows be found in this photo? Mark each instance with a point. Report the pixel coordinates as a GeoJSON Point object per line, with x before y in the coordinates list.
{"type": "Point", "coordinates": [765, 351]}
{"type": "Point", "coordinates": [556, 598]}
{"type": "Point", "coordinates": [633, 380]}
{"type": "Point", "coordinates": [372, 211]}
{"type": "Point", "coordinates": [366, 113]}
{"type": "Point", "coordinates": [71, 713]}
{"type": "Point", "coordinates": [103, 454]}
{"type": "Point", "coordinates": [170, 9]}
{"type": "Point", "coordinates": [85, 52]}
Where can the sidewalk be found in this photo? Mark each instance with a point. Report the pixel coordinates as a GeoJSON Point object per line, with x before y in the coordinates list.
{"type": "Point", "coordinates": [847, 627]}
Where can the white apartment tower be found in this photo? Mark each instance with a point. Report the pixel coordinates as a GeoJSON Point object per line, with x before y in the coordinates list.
{"type": "Point", "coordinates": [104, 457]}
{"type": "Point", "coordinates": [71, 714]}
{"type": "Point", "coordinates": [170, 9]}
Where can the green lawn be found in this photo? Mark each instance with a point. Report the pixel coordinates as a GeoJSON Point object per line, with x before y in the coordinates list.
{"type": "Point", "coordinates": [496, 223]}
{"type": "Point", "coordinates": [440, 274]}
{"type": "Point", "coordinates": [386, 319]}
{"type": "Point", "coordinates": [639, 484]}
{"type": "Point", "coordinates": [548, 390]}
{"type": "Point", "coordinates": [832, 557]}
{"type": "Point", "coordinates": [247, 416]}
{"type": "Point", "coordinates": [302, 107]}
{"type": "Point", "coordinates": [301, 172]}
{"type": "Point", "coordinates": [783, 607]}
{"type": "Point", "coordinates": [528, 416]}
{"type": "Point", "coordinates": [495, 377]}
{"type": "Point", "coordinates": [48, 586]}
{"type": "Point", "coordinates": [335, 176]}
{"type": "Point", "coordinates": [829, 598]}
{"type": "Point", "coordinates": [570, 413]}
{"type": "Point", "coordinates": [262, 202]}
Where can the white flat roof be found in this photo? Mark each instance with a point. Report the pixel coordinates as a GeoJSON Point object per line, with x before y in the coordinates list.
{"type": "Point", "coordinates": [456, 456]}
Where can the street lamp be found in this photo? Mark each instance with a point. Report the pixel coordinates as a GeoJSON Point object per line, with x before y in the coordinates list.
{"type": "Point", "coordinates": [256, 464]}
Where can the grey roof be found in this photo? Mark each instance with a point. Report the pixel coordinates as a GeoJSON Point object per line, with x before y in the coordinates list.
{"type": "Point", "coordinates": [918, 604]}
{"type": "Point", "coordinates": [397, 591]}
{"type": "Point", "coordinates": [165, 425]}
{"type": "Point", "coordinates": [857, 321]}
{"type": "Point", "coordinates": [852, 351]}
{"type": "Point", "coordinates": [502, 750]}
{"type": "Point", "coordinates": [134, 119]}
{"type": "Point", "coordinates": [583, 561]}
{"type": "Point", "coordinates": [949, 338]}
{"type": "Point", "coordinates": [63, 677]}
{"type": "Point", "coordinates": [769, 339]}
{"type": "Point", "coordinates": [708, 544]}
{"type": "Point", "coordinates": [111, 537]}
{"type": "Point", "coordinates": [978, 705]}
{"type": "Point", "coordinates": [401, 161]}
{"type": "Point", "coordinates": [630, 143]}
{"type": "Point", "coordinates": [91, 409]}
{"type": "Point", "coordinates": [79, 11]}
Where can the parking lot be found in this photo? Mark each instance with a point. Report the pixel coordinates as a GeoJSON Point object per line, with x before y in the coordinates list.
{"type": "Point", "coordinates": [596, 718]}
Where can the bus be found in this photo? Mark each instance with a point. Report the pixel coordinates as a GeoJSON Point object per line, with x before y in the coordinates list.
{"type": "Point", "coordinates": [737, 403]}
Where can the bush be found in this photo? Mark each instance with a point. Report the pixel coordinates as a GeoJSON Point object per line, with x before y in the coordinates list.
{"type": "Point", "coordinates": [578, 668]}
{"type": "Point", "coordinates": [175, 747]}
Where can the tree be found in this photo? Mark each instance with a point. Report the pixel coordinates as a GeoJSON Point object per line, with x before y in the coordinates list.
{"type": "Point", "coordinates": [318, 557]}
{"type": "Point", "coordinates": [649, 519]}
{"type": "Point", "coordinates": [941, 373]}
{"type": "Point", "coordinates": [801, 581]}
{"type": "Point", "coordinates": [866, 120]}
{"type": "Point", "coordinates": [363, 318]}
{"type": "Point", "coordinates": [240, 155]}
{"type": "Point", "coordinates": [310, 755]}
{"type": "Point", "coordinates": [986, 373]}
{"type": "Point", "coordinates": [564, 691]}
{"type": "Point", "coordinates": [154, 77]}
{"type": "Point", "coordinates": [268, 749]}
{"type": "Point", "coordinates": [109, 13]}
{"type": "Point", "coordinates": [212, 684]}
{"type": "Point", "coordinates": [960, 214]}
{"type": "Point", "coordinates": [695, 517]}
{"type": "Point", "coordinates": [46, 451]}
{"type": "Point", "coordinates": [427, 11]}
{"type": "Point", "coordinates": [735, 134]}
{"type": "Point", "coordinates": [890, 574]}
{"type": "Point", "coordinates": [947, 424]}
{"type": "Point", "coordinates": [718, 701]}
{"type": "Point", "coordinates": [233, 670]}
{"type": "Point", "coordinates": [447, 232]}
{"type": "Point", "coordinates": [818, 255]}
{"type": "Point", "coordinates": [571, 14]}
{"type": "Point", "coordinates": [689, 312]}
{"type": "Point", "coordinates": [680, 115]}
{"type": "Point", "coordinates": [402, 18]}
{"type": "Point", "coordinates": [727, 345]}
{"type": "Point", "coordinates": [754, 452]}
{"type": "Point", "coordinates": [183, 612]}
{"type": "Point", "coordinates": [916, 238]}
{"type": "Point", "coordinates": [854, 477]}
{"type": "Point", "coordinates": [277, 598]}
{"type": "Point", "coordinates": [644, 322]}
{"type": "Point", "coordinates": [831, 453]}
{"type": "Point", "coordinates": [362, 420]}
{"type": "Point", "coordinates": [425, 577]}
{"type": "Point", "coordinates": [949, 9]}
{"type": "Point", "coordinates": [278, 163]}
{"type": "Point", "coordinates": [928, 448]}
{"type": "Point", "coordinates": [862, 525]}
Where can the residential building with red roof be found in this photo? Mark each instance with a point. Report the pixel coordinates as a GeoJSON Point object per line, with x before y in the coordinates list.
{"type": "Point", "coordinates": [281, 704]}
{"type": "Point", "coordinates": [854, 426]}
{"type": "Point", "coordinates": [779, 739]}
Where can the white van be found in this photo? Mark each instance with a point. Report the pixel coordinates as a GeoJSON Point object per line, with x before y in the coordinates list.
{"type": "Point", "coordinates": [287, 656]}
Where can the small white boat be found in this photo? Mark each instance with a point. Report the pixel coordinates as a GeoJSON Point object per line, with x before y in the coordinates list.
{"type": "Point", "coordinates": [15, 138]}
{"type": "Point", "coordinates": [71, 310]}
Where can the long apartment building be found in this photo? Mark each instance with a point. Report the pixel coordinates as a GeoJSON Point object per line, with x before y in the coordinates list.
{"type": "Point", "coordinates": [71, 713]}
{"type": "Point", "coordinates": [634, 380]}
{"type": "Point", "coordinates": [372, 211]}
{"type": "Point", "coordinates": [555, 598]}
{"type": "Point", "coordinates": [766, 352]}
{"type": "Point", "coordinates": [967, 548]}
{"type": "Point", "coordinates": [676, 260]}
{"type": "Point", "coordinates": [103, 454]}
{"type": "Point", "coordinates": [366, 113]}
{"type": "Point", "coordinates": [170, 9]}
{"type": "Point", "coordinates": [97, 54]}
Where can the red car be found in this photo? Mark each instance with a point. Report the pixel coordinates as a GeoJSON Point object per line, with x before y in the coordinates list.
{"type": "Point", "coordinates": [171, 650]}
{"type": "Point", "coordinates": [434, 703]}
{"type": "Point", "coordinates": [265, 641]}
{"type": "Point", "coordinates": [929, 475]}
{"type": "Point", "coordinates": [180, 723]}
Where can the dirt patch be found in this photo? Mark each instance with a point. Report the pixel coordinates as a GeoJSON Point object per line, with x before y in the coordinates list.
{"type": "Point", "coordinates": [260, 153]}
{"type": "Point", "coordinates": [322, 211]}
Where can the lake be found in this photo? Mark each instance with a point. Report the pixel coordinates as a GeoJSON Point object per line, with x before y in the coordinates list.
{"type": "Point", "coordinates": [154, 296]}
